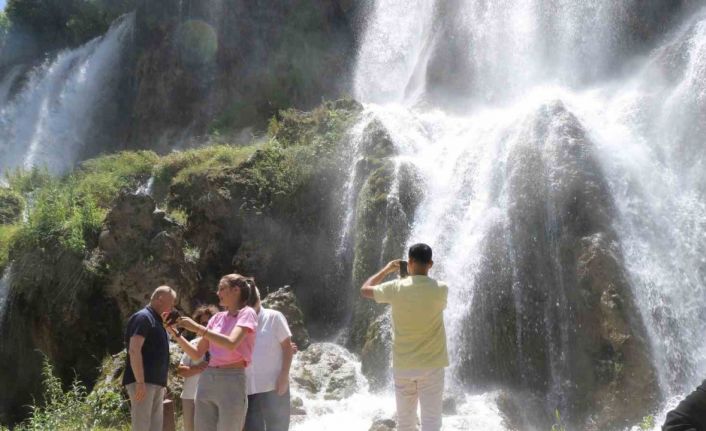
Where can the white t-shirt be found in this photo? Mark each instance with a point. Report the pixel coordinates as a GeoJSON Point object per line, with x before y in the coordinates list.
{"type": "Point", "coordinates": [272, 330]}
{"type": "Point", "coordinates": [188, 391]}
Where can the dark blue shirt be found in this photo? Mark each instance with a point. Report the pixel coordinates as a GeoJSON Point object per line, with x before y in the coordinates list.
{"type": "Point", "coordinates": [155, 350]}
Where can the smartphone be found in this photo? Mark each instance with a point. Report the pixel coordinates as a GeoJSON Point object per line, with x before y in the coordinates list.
{"type": "Point", "coordinates": [403, 269]}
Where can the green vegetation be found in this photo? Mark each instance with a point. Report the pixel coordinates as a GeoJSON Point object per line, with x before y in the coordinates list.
{"type": "Point", "coordinates": [559, 425]}
{"type": "Point", "coordinates": [74, 409]}
{"type": "Point", "coordinates": [4, 28]}
{"type": "Point", "coordinates": [7, 233]}
{"type": "Point", "coordinates": [68, 212]}
{"type": "Point", "coordinates": [11, 206]}
{"type": "Point", "coordinates": [648, 422]}
{"type": "Point", "coordinates": [58, 23]}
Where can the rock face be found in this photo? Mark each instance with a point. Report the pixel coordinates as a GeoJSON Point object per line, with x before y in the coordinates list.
{"type": "Point", "coordinates": [144, 249]}
{"type": "Point", "coordinates": [387, 196]}
{"type": "Point", "coordinates": [553, 304]}
{"type": "Point", "coordinates": [232, 65]}
{"type": "Point", "coordinates": [326, 370]}
{"type": "Point", "coordinates": [284, 301]}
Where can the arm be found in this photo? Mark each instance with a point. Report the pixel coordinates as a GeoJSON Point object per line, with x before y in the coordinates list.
{"type": "Point", "coordinates": [135, 352]}
{"type": "Point", "coordinates": [230, 341]}
{"type": "Point", "coordinates": [287, 355]}
{"type": "Point", "coordinates": [194, 353]}
{"type": "Point", "coordinates": [366, 291]}
{"type": "Point", "coordinates": [187, 371]}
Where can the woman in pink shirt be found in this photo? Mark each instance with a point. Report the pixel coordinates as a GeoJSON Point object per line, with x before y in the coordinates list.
{"type": "Point", "coordinates": [229, 338]}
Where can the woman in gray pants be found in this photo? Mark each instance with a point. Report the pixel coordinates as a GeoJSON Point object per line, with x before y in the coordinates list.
{"type": "Point", "coordinates": [221, 400]}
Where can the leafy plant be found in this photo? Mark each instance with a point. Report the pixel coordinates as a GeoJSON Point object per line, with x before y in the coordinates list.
{"type": "Point", "coordinates": [74, 409]}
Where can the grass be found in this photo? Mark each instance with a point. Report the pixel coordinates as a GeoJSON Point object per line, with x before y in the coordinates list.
{"type": "Point", "coordinates": [178, 167]}
{"type": "Point", "coordinates": [68, 211]}
{"type": "Point", "coordinates": [103, 178]}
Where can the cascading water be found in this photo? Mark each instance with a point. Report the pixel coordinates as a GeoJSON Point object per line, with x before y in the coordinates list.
{"type": "Point", "coordinates": [4, 289]}
{"type": "Point", "coordinates": [539, 140]}
{"type": "Point", "coordinates": [50, 119]}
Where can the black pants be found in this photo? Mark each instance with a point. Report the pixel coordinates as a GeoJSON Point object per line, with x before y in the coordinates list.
{"type": "Point", "coordinates": [267, 411]}
{"type": "Point", "coordinates": [690, 414]}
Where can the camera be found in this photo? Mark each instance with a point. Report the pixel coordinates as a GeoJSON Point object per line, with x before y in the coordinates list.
{"type": "Point", "coordinates": [403, 269]}
{"type": "Point", "coordinates": [171, 320]}
{"type": "Point", "coordinates": [172, 317]}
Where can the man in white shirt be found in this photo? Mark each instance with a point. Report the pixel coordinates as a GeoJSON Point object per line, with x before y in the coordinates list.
{"type": "Point", "coordinates": [268, 374]}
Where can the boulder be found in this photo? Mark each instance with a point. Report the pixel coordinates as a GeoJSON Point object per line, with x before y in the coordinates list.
{"type": "Point", "coordinates": [383, 425]}
{"type": "Point", "coordinates": [284, 301]}
{"type": "Point", "coordinates": [327, 370]}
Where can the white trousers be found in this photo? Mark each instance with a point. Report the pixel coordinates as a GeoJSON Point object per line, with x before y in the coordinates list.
{"type": "Point", "coordinates": [423, 387]}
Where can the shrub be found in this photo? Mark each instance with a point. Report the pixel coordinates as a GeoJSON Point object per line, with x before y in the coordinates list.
{"type": "Point", "coordinates": [73, 409]}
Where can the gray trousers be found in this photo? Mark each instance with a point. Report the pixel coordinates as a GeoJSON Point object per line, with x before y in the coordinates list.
{"type": "Point", "coordinates": [148, 414]}
{"type": "Point", "coordinates": [221, 400]}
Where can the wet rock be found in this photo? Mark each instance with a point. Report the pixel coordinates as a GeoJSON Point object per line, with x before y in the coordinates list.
{"type": "Point", "coordinates": [552, 301]}
{"type": "Point", "coordinates": [376, 356]}
{"type": "Point", "coordinates": [389, 193]}
{"type": "Point", "coordinates": [383, 425]}
{"type": "Point", "coordinates": [326, 369]}
{"type": "Point", "coordinates": [449, 404]}
{"type": "Point", "coordinates": [284, 301]}
{"type": "Point", "coordinates": [297, 406]}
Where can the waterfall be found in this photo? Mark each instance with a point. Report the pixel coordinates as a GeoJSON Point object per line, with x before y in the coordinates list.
{"type": "Point", "coordinates": [4, 290]}
{"type": "Point", "coordinates": [51, 118]}
{"type": "Point", "coordinates": [543, 133]}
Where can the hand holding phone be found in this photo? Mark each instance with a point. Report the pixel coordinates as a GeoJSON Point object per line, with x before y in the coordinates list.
{"type": "Point", "coordinates": [403, 269]}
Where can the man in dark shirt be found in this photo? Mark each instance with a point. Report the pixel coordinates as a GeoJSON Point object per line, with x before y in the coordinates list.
{"type": "Point", "coordinates": [145, 376]}
{"type": "Point", "coordinates": [690, 414]}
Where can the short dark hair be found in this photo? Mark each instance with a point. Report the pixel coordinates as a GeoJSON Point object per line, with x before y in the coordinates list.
{"type": "Point", "coordinates": [420, 253]}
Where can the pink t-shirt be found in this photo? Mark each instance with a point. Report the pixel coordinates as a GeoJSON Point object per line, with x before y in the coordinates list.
{"type": "Point", "coordinates": [223, 323]}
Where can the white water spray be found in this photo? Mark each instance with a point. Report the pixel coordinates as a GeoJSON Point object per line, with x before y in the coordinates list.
{"type": "Point", "coordinates": [48, 122]}
{"type": "Point", "coordinates": [646, 125]}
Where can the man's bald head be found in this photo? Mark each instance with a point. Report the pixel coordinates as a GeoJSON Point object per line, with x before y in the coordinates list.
{"type": "Point", "coordinates": [163, 290]}
{"type": "Point", "coordinates": [163, 299]}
